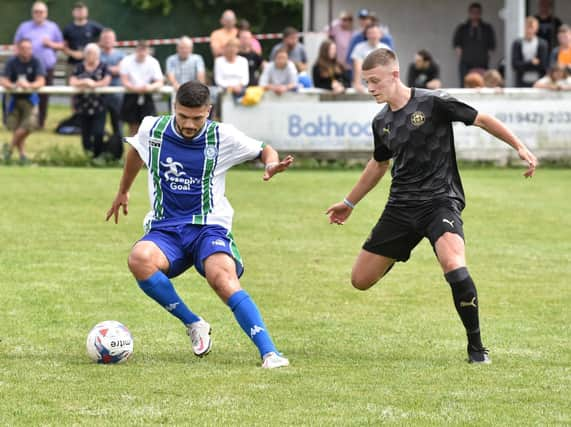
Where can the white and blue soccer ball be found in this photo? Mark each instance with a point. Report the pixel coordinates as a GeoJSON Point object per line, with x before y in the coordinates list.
{"type": "Point", "coordinates": [109, 342]}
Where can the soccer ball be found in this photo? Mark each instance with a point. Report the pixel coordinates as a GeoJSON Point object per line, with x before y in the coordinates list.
{"type": "Point", "coordinates": [109, 342]}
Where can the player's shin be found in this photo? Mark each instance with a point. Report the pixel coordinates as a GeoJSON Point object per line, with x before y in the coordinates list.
{"type": "Point", "coordinates": [161, 289]}
{"type": "Point", "coordinates": [251, 322]}
{"type": "Point", "coordinates": [466, 303]}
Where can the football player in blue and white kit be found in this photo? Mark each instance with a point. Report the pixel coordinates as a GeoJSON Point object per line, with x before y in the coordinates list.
{"type": "Point", "coordinates": [187, 156]}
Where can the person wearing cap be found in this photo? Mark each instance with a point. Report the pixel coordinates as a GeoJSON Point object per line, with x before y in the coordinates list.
{"type": "Point", "coordinates": [366, 18]}
{"type": "Point", "coordinates": [341, 32]}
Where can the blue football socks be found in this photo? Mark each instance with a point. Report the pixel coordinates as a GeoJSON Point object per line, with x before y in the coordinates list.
{"type": "Point", "coordinates": [160, 288]}
{"type": "Point", "coordinates": [250, 320]}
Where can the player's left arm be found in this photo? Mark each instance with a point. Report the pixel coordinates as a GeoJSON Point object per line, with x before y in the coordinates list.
{"type": "Point", "coordinates": [272, 162]}
{"type": "Point", "coordinates": [496, 128]}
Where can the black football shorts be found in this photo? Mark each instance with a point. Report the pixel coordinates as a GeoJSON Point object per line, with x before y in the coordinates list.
{"type": "Point", "coordinates": [400, 229]}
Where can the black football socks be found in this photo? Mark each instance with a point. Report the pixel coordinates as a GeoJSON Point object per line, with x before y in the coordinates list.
{"type": "Point", "coordinates": [466, 303]}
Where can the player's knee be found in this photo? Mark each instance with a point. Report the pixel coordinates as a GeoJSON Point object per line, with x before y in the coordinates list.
{"type": "Point", "coordinates": [362, 283]}
{"type": "Point", "coordinates": [139, 258]}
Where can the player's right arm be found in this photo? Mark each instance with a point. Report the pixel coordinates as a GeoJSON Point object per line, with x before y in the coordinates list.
{"type": "Point", "coordinates": [372, 174]}
{"type": "Point", "coordinates": [133, 164]}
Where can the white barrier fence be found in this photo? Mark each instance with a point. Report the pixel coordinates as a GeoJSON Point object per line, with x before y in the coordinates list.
{"type": "Point", "coordinates": [321, 124]}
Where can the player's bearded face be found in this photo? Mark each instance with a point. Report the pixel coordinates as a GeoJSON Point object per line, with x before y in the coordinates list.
{"type": "Point", "coordinates": [189, 120]}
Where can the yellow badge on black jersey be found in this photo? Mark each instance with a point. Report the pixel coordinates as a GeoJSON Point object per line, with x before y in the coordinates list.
{"type": "Point", "coordinates": [417, 118]}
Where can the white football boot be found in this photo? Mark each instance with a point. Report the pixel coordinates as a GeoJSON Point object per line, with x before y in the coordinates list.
{"type": "Point", "coordinates": [199, 333]}
{"type": "Point", "coordinates": [273, 360]}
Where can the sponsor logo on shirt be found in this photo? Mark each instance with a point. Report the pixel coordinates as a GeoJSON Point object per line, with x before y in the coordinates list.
{"type": "Point", "coordinates": [176, 177]}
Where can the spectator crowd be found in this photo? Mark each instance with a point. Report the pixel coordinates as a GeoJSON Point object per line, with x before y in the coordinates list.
{"type": "Point", "coordinates": [541, 58]}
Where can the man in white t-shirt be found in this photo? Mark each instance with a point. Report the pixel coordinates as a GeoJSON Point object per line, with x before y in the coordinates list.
{"type": "Point", "coordinates": [190, 222]}
{"type": "Point", "coordinates": [141, 75]}
{"type": "Point", "coordinates": [373, 34]}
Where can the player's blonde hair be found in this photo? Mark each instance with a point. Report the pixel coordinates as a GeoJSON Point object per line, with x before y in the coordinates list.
{"type": "Point", "coordinates": [382, 57]}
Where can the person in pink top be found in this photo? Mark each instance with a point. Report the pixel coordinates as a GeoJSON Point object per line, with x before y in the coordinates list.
{"type": "Point", "coordinates": [341, 31]}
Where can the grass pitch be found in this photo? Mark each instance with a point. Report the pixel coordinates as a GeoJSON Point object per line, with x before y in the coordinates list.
{"type": "Point", "coordinates": [391, 355]}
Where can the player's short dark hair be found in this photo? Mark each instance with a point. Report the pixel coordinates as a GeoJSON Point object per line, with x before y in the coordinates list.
{"type": "Point", "coordinates": [193, 94]}
{"type": "Point", "coordinates": [380, 56]}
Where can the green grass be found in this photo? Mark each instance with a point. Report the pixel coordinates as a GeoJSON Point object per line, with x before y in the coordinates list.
{"type": "Point", "coordinates": [392, 355]}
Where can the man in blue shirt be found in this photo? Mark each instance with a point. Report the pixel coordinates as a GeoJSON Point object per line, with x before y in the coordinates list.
{"type": "Point", "coordinates": [190, 221]}
{"type": "Point", "coordinates": [79, 34]}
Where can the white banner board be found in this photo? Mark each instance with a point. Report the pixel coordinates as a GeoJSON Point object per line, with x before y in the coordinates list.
{"type": "Point", "coordinates": [317, 122]}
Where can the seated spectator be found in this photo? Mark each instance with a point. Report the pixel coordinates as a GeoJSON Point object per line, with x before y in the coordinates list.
{"type": "Point", "coordinates": [22, 71]}
{"type": "Point", "coordinates": [341, 32]}
{"type": "Point", "coordinates": [473, 80]}
{"type": "Point", "coordinates": [89, 74]}
{"type": "Point", "coordinates": [255, 61]}
{"type": "Point", "coordinates": [280, 75]}
{"type": "Point", "coordinates": [327, 72]}
{"type": "Point", "coordinates": [557, 78]}
{"type": "Point", "coordinates": [184, 66]}
{"type": "Point", "coordinates": [219, 38]}
{"type": "Point", "coordinates": [230, 70]}
{"type": "Point", "coordinates": [424, 72]}
{"type": "Point", "coordinates": [244, 25]}
{"type": "Point", "coordinates": [562, 54]}
{"type": "Point", "coordinates": [493, 79]}
{"type": "Point", "coordinates": [529, 55]}
{"type": "Point", "coordinates": [373, 34]}
{"type": "Point", "coordinates": [295, 50]}
{"type": "Point", "coordinates": [141, 75]}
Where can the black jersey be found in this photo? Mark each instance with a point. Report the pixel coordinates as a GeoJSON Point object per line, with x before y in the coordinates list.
{"type": "Point", "coordinates": [419, 139]}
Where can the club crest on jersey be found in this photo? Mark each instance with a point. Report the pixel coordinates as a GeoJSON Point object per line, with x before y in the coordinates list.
{"type": "Point", "coordinates": [417, 118]}
{"type": "Point", "coordinates": [210, 152]}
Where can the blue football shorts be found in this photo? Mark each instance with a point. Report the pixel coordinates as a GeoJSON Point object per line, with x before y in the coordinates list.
{"type": "Point", "coordinates": [189, 245]}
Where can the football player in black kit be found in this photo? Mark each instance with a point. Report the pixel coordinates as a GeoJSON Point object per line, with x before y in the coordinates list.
{"type": "Point", "coordinates": [414, 129]}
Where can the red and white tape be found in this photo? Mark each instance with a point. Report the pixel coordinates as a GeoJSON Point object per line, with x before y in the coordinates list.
{"type": "Point", "coordinates": [160, 42]}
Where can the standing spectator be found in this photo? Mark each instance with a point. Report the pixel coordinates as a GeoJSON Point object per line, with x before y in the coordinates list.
{"type": "Point", "coordinates": [341, 32]}
{"type": "Point", "coordinates": [529, 55]}
{"type": "Point", "coordinates": [373, 34]}
{"type": "Point", "coordinates": [219, 38]}
{"type": "Point", "coordinates": [46, 39]}
{"type": "Point", "coordinates": [244, 25]}
{"type": "Point", "coordinates": [90, 74]}
{"type": "Point", "coordinates": [295, 50]}
{"type": "Point", "coordinates": [141, 75]}
{"type": "Point", "coordinates": [557, 78]}
{"type": "Point", "coordinates": [184, 65]}
{"type": "Point", "coordinates": [280, 75]}
{"type": "Point", "coordinates": [474, 40]}
{"type": "Point", "coordinates": [366, 19]}
{"type": "Point", "coordinates": [561, 55]}
{"type": "Point", "coordinates": [255, 61]}
{"type": "Point", "coordinates": [230, 70]}
{"type": "Point", "coordinates": [328, 73]}
{"type": "Point", "coordinates": [548, 24]}
{"type": "Point", "coordinates": [22, 71]}
{"type": "Point", "coordinates": [424, 72]}
{"type": "Point", "coordinates": [112, 57]}
{"type": "Point", "coordinates": [79, 34]}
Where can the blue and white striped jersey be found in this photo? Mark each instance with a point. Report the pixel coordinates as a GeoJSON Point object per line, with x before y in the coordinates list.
{"type": "Point", "coordinates": [187, 176]}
